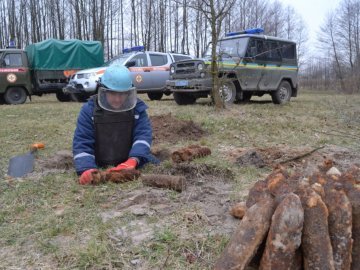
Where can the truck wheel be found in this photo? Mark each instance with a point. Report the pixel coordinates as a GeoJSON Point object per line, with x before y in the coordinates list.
{"type": "Point", "coordinates": [184, 98]}
{"type": "Point", "coordinates": [227, 91]}
{"type": "Point", "coordinates": [15, 95]}
{"type": "Point", "coordinates": [155, 96]}
{"type": "Point", "coordinates": [63, 97]}
{"type": "Point", "coordinates": [283, 94]}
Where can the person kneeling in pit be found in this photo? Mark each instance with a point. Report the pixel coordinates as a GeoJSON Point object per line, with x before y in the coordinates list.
{"type": "Point", "coordinates": [113, 128]}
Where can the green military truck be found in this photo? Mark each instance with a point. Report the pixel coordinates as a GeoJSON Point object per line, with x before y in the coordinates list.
{"type": "Point", "coordinates": [44, 67]}
{"type": "Point", "coordinates": [249, 64]}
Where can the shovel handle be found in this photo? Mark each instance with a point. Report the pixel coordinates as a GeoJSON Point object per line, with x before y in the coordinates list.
{"type": "Point", "coordinates": [36, 146]}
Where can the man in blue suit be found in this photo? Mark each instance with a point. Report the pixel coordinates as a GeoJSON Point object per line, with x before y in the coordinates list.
{"type": "Point", "coordinates": [113, 129]}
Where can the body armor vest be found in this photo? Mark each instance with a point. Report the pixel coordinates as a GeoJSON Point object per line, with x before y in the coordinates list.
{"type": "Point", "coordinates": [113, 135]}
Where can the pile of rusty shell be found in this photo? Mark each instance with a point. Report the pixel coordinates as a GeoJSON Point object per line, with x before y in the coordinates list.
{"type": "Point", "coordinates": [177, 183]}
{"type": "Point", "coordinates": [315, 223]}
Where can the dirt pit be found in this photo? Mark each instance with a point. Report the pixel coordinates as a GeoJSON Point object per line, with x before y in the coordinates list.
{"type": "Point", "coordinates": [167, 128]}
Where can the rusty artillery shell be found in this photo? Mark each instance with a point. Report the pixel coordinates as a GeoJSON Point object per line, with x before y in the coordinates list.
{"type": "Point", "coordinates": [189, 153]}
{"type": "Point", "coordinates": [123, 176]}
{"type": "Point", "coordinates": [284, 237]}
{"type": "Point", "coordinates": [247, 237]}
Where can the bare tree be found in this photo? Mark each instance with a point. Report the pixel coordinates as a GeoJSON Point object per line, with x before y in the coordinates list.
{"type": "Point", "coordinates": [215, 12]}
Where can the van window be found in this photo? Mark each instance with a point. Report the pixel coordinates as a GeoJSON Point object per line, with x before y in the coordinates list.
{"type": "Point", "coordinates": [288, 50]}
{"type": "Point", "coordinates": [140, 60]}
{"type": "Point", "coordinates": [158, 59]}
{"type": "Point", "coordinates": [13, 60]}
{"type": "Point", "coordinates": [181, 57]}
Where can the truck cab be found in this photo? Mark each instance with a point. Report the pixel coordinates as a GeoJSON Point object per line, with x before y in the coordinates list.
{"type": "Point", "coordinates": [149, 71]}
{"type": "Point", "coordinates": [249, 64]}
{"type": "Point", "coordinates": [15, 79]}
{"type": "Point", "coordinates": [44, 68]}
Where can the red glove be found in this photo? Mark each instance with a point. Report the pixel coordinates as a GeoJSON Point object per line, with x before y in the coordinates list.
{"type": "Point", "coordinates": [86, 177]}
{"type": "Point", "coordinates": [131, 163]}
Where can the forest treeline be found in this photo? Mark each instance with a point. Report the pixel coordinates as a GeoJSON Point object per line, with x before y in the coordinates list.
{"type": "Point", "coordinates": [182, 26]}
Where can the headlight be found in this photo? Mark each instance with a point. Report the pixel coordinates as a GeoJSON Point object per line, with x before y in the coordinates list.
{"type": "Point", "coordinates": [172, 70]}
{"type": "Point", "coordinates": [89, 75]}
{"type": "Point", "coordinates": [200, 66]}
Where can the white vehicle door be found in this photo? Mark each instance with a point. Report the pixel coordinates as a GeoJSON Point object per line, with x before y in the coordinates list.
{"type": "Point", "coordinates": [160, 69]}
{"type": "Point", "coordinates": [140, 71]}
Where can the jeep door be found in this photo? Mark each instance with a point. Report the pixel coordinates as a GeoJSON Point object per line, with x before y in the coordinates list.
{"type": "Point", "coordinates": [272, 71]}
{"type": "Point", "coordinates": [140, 71]}
{"type": "Point", "coordinates": [253, 64]}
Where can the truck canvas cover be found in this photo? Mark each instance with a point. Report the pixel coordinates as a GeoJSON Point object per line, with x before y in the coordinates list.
{"type": "Point", "coordinates": [53, 54]}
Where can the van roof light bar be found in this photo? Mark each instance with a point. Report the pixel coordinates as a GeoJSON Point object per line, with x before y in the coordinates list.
{"type": "Point", "coordinates": [134, 49]}
{"type": "Point", "coordinates": [247, 31]}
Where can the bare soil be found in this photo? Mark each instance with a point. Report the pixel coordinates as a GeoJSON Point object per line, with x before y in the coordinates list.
{"type": "Point", "coordinates": [167, 128]}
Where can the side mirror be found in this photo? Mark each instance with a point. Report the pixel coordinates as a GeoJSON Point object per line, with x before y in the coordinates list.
{"type": "Point", "coordinates": [3, 63]}
{"type": "Point", "coordinates": [130, 64]}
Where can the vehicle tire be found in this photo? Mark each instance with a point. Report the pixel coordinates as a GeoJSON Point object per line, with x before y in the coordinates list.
{"type": "Point", "coordinates": [63, 97]}
{"type": "Point", "coordinates": [15, 95]}
{"type": "Point", "coordinates": [227, 91]}
{"type": "Point", "coordinates": [184, 98]}
{"type": "Point", "coordinates": [283, 94]}
{"type": "Point", "coordinates": [155, 96]}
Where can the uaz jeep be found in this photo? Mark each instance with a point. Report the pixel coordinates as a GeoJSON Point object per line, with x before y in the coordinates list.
{"type": "Point", "coordinates": [249, 64]}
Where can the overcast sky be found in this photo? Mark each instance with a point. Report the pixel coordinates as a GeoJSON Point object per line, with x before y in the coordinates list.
{"type": "Point", "coordinates": [313, 13]}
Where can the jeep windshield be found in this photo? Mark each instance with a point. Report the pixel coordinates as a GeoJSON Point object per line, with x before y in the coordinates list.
{"type": "Point", "coordinates": [119, 60]}
{"type": "Point", "coordinates": [229, 48]}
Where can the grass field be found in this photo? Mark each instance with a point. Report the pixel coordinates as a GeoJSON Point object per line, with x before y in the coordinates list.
{"type": "Point", "coordinates": [48, 221]}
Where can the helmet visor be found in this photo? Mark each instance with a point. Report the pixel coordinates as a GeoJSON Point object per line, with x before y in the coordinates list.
{"type": "Point", "coordinates": [117, 101]}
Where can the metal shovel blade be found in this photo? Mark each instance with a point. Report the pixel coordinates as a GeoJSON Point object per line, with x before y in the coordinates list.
{"type": "Point", "coordinates": [21, 165]}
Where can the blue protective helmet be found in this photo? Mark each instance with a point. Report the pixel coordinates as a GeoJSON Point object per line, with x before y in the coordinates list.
{"type": "Point", "coordinates": [117, 78]}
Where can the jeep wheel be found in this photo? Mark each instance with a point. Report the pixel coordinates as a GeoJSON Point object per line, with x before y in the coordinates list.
{"type": "Point", "coordinates": [63, 97]}
{"type": "Point", "coordinates": [184, 98]}
{"type": "Point", "coordinates": [227, 91]}
{"type": "Point", "coordinates": [155, 96]}
{"type": "Point", "coordinates": [283, 94]}
{"type": "Point", "coordinates": [15, 95]}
